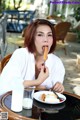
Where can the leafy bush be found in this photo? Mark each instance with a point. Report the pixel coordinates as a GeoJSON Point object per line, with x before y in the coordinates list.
{"type": "Point", "coordinates": [77, 13]}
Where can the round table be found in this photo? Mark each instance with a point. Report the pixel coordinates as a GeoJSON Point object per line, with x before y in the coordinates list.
{"type": "Point", "coordinates": [69, 110]}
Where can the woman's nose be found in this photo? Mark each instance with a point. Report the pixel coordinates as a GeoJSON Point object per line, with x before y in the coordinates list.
{"type": "Point", "coordinates": [45, 39]}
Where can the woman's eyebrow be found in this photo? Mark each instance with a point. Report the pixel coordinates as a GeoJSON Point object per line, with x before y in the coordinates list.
{"type": "Point", "coordinates": [50, 32]}
{"type": "Point", "coordinates": [43, 32]}
{"type": "Point", "coordinates": [40, 32]}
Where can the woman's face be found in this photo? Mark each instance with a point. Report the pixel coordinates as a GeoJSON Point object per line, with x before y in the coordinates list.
{"type": "Point", "coordinates": [43, 37]}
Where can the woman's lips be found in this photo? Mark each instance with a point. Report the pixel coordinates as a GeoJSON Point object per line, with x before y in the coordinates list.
{"type": "Point", "coordinates": [44, 47]}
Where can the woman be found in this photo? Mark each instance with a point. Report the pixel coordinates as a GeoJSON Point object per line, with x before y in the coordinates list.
{"type": "Point", "coordinates": [26, 65]}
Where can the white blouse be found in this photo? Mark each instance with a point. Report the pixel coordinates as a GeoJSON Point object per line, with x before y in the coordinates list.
{"type": "Point", "coordinates": [21, 66]}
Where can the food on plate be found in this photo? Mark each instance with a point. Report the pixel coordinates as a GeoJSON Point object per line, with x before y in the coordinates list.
{"type": "Point", "coordinates": [43, 96]}
{"type": "Point", "coordinates": [49, 98]}
{"type": "Point", "coordinates": [45, 53]}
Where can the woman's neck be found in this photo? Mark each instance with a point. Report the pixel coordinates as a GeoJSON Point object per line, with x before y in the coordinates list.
{"type": "Point", "coordinates": [38, 57]}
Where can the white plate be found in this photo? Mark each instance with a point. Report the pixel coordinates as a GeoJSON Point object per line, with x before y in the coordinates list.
{"type": "Point", "coordinates": [37, 96]}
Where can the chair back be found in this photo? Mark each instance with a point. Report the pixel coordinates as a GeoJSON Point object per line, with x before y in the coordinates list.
{"type": "Point", "coordinates": [61, 30]}
{"type": "Point", "coordinates": [5, 60]}
{"type": "Point", "coordinates": [54, 17]}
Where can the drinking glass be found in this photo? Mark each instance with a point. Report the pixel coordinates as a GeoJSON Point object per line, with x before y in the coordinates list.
{"type": "Point", "coordinates": [28, 97]}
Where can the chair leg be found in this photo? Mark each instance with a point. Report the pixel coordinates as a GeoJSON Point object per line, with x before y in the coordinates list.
{"type": "Point", "coordinates": [65, 51]}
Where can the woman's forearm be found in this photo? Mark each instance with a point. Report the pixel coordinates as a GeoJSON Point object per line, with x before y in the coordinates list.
{"type": "Point", "coordinates": [33, 83]}
{"type": "Point", "coordinates": [28, 83]}
{"type": "Point", "coordinates": [41, 88]}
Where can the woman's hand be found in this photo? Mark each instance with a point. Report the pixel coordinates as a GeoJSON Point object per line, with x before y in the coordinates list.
{"type": "Point", "coordinates": [43, 75]}
{"type": "Point", "coordinates": [58, 87]}
{"type": "Point", "coordinates": [41, 78]}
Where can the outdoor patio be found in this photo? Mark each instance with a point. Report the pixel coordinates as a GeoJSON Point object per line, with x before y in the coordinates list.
{"type": "Point", "coordinates": [70, 60]}
{"type": "Point", "coordinates": [15, 16]}
{"type": "Point", "coordinates": [72, 77]}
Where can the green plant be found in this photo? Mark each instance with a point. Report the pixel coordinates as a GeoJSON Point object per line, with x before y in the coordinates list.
{"type": "Point", "coordinates": [77, 13]}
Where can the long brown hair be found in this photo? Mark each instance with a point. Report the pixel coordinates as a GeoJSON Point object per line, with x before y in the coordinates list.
{"type": "Point", "coordinates": [30, 31]}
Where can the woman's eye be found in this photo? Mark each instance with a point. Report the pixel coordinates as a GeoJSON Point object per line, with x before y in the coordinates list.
{"type": "Point", "coordinates": [50, 35]}
{"type": "Point", "coordinates": [39, 35]}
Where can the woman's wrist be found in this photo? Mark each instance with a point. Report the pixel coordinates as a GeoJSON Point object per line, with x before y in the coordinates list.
{"type": "Point", "coordinates": [28, 83]}
{"type": "Point", "coordinates": [37, 82]}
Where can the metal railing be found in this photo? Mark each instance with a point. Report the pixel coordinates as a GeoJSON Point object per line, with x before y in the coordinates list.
{"type": "Point", "coordinates": [18, 19]}
{"type": "Point", "coordinates": [3, 42]}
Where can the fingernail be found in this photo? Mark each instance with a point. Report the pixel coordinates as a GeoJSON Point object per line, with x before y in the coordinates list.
{"type": "Point", "coordinates": [42, 64]}
{"type": "Point", "coordinates": [44, 69]}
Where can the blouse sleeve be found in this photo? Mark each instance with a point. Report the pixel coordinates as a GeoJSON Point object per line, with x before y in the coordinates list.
{"type": "Point", "coordinates": [58, 72]}
{"type": "Point", "coordinates": [12, 72]}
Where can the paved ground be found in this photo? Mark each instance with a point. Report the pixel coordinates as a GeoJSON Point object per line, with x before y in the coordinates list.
{"type": "Point", "coordinates": [72, 77]}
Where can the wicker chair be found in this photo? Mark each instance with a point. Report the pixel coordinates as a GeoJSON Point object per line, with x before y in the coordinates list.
{"type": "Point", "coordinates": [61, 30]}
{"type": "Point", "coordinates": [4, 61]}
